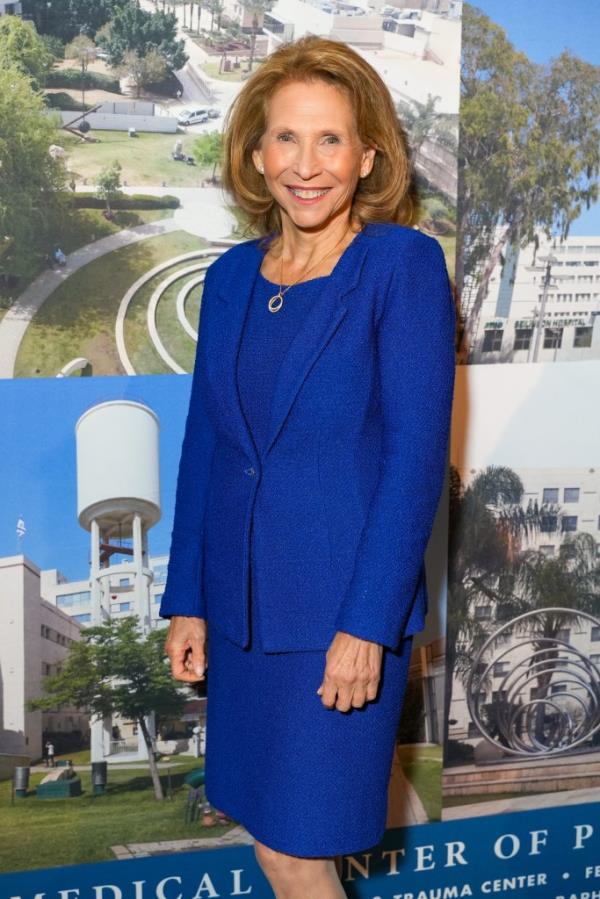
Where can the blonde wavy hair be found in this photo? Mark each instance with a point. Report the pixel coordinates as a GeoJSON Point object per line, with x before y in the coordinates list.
{"type": "Point", "coordinates": [385, 195]}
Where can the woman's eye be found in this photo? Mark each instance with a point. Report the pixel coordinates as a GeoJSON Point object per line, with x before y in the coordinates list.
{"type": "Point", "coordinates": [333, 137]}
{"type": "Point", "coordinates": [279, 136]}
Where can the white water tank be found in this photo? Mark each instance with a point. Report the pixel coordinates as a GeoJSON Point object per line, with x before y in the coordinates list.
{"type": "Point", "coordinates": [118, 467]}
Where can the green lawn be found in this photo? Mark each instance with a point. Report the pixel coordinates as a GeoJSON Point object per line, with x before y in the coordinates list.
{"type": "Point", "coordinates": [145, 159]}
{"type": "Point", "coordinates": [56, 832]}
{"type": "Point", "coordinates": [423, 768]}
{"type": "Point", "coordinates": [78, 319]}
{"type": "Point", "coordinates": [75, 230]}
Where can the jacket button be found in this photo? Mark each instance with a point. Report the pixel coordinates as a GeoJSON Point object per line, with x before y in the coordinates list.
{"type": "Point", "coordinates": [250, 471]}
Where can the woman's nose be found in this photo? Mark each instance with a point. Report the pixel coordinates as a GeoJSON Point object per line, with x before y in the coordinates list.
{"type": "Point", "coordinates": [307, 161]}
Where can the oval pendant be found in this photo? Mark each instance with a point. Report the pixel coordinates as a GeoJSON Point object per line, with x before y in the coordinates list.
{"type": "Point", "coordinates": [275, 306]}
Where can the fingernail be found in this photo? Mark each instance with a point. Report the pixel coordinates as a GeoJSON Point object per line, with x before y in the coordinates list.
{"type": "Point", "coordinates": [199, 670]}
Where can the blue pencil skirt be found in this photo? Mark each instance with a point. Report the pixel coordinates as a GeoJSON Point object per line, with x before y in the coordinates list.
{"type": "Point", "coordinates": [301, 778]}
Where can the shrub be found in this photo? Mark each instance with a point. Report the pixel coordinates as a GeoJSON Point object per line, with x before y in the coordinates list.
{"type": "Point", "coordinates": [91, 200]}
{"type": "Point", "coordinates": [72, 78]}
{"type": "Point", "coordinates": [64, 101]}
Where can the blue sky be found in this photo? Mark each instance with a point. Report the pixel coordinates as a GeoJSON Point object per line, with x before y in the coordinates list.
{"type": "Point", "coordinates": [543, 29]}
{"type": "Point", "coordinates": [38, 462]}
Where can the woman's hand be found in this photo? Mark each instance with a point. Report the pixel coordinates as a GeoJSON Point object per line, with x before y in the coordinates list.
{"type": "Point", "coordinates": [352, 672]}
{"type": "Point", "coordinates": [186, 647]}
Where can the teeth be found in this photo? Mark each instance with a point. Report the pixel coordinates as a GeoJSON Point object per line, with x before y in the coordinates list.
{"type": "Point", "coordinates": [308, 194]}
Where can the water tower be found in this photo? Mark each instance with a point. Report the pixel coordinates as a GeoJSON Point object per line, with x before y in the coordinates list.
{"type": "Point", "coordinates": [118, 501]}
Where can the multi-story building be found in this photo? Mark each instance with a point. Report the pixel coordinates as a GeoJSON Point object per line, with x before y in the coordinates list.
{"type": "Point", "coordinates": [35, 637]}
{"type": "Point", "coordinates": [75, 597]}
{"type": "Point", "coordinates": [541, 306]}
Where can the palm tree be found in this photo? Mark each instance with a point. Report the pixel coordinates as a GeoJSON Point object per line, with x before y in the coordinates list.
{"type": "Point", "coordinates": [257, 8]}
{"type": "Point", "coordinates": [487, 525]}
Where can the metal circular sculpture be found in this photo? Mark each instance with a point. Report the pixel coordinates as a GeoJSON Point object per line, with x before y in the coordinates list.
{"type": "Point", "coordinates": [549, 696]}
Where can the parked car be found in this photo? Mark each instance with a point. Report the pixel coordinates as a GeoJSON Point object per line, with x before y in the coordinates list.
{"type": "Point", "coordinates": [193, 116]}
{"type": "Point", "coordinates": [213, 112]}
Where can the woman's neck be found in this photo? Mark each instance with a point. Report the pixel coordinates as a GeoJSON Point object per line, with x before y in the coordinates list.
{"type": "Point", "coordinates": [302, 249]}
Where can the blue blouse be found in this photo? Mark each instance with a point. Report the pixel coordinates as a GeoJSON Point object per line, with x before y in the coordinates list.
{"type": "Point", "coordinates": [266, 337]}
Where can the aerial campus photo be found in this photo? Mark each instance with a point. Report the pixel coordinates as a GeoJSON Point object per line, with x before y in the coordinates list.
{"type": "Point", "coordinates": [115, 150]}
{"type": "Point", "coordinates": [111, 208]}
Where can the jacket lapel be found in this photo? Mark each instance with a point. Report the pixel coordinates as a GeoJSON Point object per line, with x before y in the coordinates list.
{"type": "Point", "coordinates": [319, 325]}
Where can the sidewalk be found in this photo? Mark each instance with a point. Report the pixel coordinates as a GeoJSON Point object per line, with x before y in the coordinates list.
{"type": "Point", "coordinates": [521, 803]}
{"type": "Point", "coordinates": [201, 213]}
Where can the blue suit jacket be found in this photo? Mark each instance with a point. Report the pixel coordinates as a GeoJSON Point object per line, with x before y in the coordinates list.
{"type": "Point", "coordinates": [343, 498]}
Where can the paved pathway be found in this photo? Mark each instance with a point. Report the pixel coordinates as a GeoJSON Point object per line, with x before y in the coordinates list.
{"type": "Point", "coordinates": [522, 803]}
{"type": "Point", "coordinates": [18, 318]}
{"type": "Point", "coordinates": [202, 213]}
{"type": "Point", "coordinates": [197, 85]}
{"type": "Point", "coordinates": [237, 836]}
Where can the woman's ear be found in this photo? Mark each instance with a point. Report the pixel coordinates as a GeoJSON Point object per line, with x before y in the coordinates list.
{"type": "Point", "coordinates": [257, 160]}
{"type": "Point", "coordinates": [367, 161]}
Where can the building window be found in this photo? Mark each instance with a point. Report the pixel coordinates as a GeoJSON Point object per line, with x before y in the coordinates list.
{"type": "Point", "coordinates": [569, 523]}
{"type": "Point", "coordinates": [499, 695]}
{"type": "Point", "coordinates": [160, 573]}
{"type": "Point", "coordinates": [157, 597]}
{"type": "Point", "coordinates": [492, 340]}
{"type": "Point", "coordinates": [68, 600]}
{"type": "Point", "coordinates": [552, 338]}
{"type": "Point", "coordinates": [500, 669]}
{"type": "Point", "coordinates": [568, 551]}
{"type": "Point", "coordinates": [595, 636]}
{"type": "Point", "coordinates": [124, 582]}
{"type": "Point", "coordinates": [583, 336]}
{"type": "Point", "coordinates": [558, 688]}
{"type": "Point", "coordinates": [84, 618]}
{"type": "Point", "coordinates": [571, 495]}
{"type": "Point", "coordinates": [121, 607]}
{"type": "Point", "coordinates": [595, 659]}
{"type": "Point", "coordinates": [564, 634]}
{"type": "Point", "coordinates": [550, 495]}
{"type": "Point", "coordinates": [522, 338]}
{"type": "Point", "coordinates": [548, 523]}
{"type": "Point", "coordinates": [483, 612]}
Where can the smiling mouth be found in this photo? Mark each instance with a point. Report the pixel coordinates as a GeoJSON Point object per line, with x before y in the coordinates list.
{"type": "Point", "coordinates": [307, 194]}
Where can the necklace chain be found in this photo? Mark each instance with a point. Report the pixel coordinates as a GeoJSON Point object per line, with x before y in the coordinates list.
{"type": "Point", "coordinates": [276, 301]}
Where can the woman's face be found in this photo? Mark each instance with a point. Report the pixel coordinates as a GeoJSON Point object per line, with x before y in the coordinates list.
{"type": "Point", "coordinates": [310, 144]}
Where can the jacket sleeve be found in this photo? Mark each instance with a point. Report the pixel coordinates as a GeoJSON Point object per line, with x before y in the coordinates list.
{"type": "Point", "coordinates": [415, 347]}
{"type": "Point", "coordinates": [183, 588]}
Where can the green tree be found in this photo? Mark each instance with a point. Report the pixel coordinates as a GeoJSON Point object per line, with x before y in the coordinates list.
{"type": "Point", "coordinates": [108, 184]}
{"type": "Point", "coordinates": [132, 28]}
{"type": "Point", "coordinates": [208, 150]}
{"type": "Point", "coordinates": [257, 8]}
{"type": "Point", "coordinates": [22, 47]}
{"type": "Point", "coordinates": [115, 669]}
{"type": "Point", "coordinates": [30, 179]}
{"type": "Point", "coordinates": [529, 154]}
{"type": "Point", "coordinates": [83, 50]}
{"type": "Point", "coordinates": [67, 18]}
{"type": "Point", "coordinates": [144, 70]}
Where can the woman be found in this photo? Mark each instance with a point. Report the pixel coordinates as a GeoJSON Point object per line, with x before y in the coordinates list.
{"type": "Point", "coordinates": [312, 464]}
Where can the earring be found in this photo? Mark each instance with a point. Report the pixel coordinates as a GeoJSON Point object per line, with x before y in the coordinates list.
{"type": "Point", "coordinates": [261, 169]}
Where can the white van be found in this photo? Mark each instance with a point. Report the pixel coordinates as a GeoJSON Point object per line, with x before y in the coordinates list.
{"type": "Point", "coordinates": [193, 116]}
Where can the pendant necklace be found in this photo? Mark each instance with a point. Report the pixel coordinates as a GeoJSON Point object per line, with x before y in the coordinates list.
{"type": "Point", "coordinates": [276, 301]}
